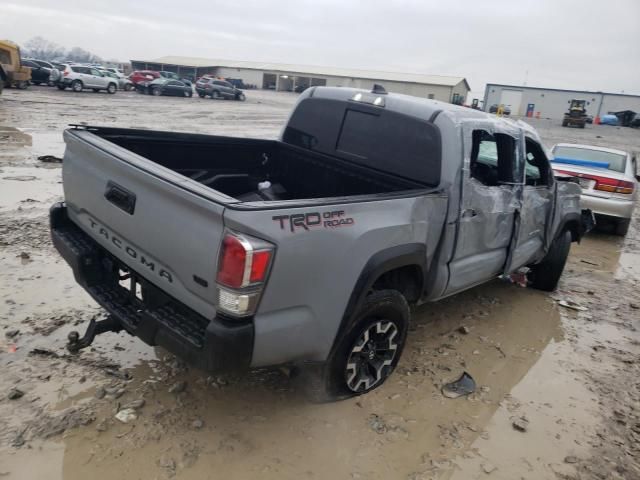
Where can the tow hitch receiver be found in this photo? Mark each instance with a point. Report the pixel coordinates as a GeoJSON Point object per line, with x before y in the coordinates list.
{"type": "Point", "coordinates": [94, 328]}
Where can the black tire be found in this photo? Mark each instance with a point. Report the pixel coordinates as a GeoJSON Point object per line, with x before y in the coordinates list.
{"type": "Point", "coordinates": [188, 94]}
{"type": "Point", "coordinates": [61, 87]}
{"type": "Point", "coordinates": [22, 85]}
{"type": "Point", "coordinates": [565, 123]}
{"type": "Point", "coordinates": [546, 274]}
{"type": "Point", "coordinates": [128, 87]}
{"type": "Point", "coordinates": [76, 86]}
{"type": "Point", "coordinates": [622, 226]}
{"type": "Point", "coordinates": [358, 363]}
{"type": "Point", "coordinates": [156, 92]}
{"type": "Point", "coordinates": [112, 88]}
{"type": "Point", "coordinates": [201, 95]}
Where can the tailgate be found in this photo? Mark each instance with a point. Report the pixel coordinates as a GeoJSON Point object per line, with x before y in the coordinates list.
{"type": "Point", "coordinates": [164, 226]}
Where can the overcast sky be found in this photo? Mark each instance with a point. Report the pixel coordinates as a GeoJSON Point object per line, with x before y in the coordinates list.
{"type": "Point", "coordinates": [582, 44]}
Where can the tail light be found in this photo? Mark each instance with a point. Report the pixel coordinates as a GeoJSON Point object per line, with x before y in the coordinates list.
{"type": "Point", "coordinates": [604, 184]}
{"type": "Point", "coordinates": [243, 268]}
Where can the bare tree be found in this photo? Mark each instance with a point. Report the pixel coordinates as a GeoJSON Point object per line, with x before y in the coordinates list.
{"type": "Point", "coordinates": [77, 54]}
{"type": "Point", "coordinates": [43, 49]}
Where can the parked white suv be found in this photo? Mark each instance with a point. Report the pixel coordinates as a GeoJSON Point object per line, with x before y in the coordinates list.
{"type": "Point", "coordinates": [79, 77]}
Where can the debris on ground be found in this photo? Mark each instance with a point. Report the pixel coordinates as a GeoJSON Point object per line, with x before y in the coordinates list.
{"type": "Point", "coordinates": [11, 333]}
{"type": "Point", "coordinates": [464, 385]}
{"type": "Point", "coordinates": [197, 424]}
{"type": "Point", "coordinates": [571, 459]}
{"type": "Point", "coordinates": [572, 305]}
{"type": "Point", "coordinates": [20, 178]}
{"type": "Point", "coordinates": [134, 405]}
{"type": "Point", "coordinates": [178, 387]}
{"type": "Point", "coordinates": [127, 415]}
{"type": "Point", "coordinates": [100, 393]}
{"type": "Point", "coordinates": [520, 423]}
{"type": "Point", "coordinates": [45, 352]}
{"type": "Point", "coordinates": [464, 329]}
{"type": "Point", "coordinates": [377, 424]}
{"type": "Point", "coordinates": [15, 393]}
{"type": "Point", "coordinates": [488, 467]}
{"type": "Point", "coordinates": [50, 159]}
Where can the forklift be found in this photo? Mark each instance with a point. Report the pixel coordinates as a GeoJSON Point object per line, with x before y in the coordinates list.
{"type": "Point", "coordinates": [577, 114]}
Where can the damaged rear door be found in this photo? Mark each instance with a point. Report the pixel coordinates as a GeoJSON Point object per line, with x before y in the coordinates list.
{"type": "Point", "coordinates": [488, 204]}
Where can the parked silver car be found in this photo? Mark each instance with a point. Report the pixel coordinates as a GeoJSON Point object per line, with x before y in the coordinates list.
{"type": "Point", "coordinates": [608, 179]}
{"type": "Point", "coordinates": [123, 82]}
{"type": "Point", "coordinates": [80, 77]}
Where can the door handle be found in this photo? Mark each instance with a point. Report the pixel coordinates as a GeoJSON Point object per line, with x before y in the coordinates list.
{"type": "Point", "coordinates": [469, 213]}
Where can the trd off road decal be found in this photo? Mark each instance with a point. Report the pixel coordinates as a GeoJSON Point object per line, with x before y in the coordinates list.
{"type": "Point", "coordinates": [307, 221]}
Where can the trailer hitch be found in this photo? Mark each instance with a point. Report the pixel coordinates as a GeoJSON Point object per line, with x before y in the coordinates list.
{"type": "Point", "coordinates": [75, 343]}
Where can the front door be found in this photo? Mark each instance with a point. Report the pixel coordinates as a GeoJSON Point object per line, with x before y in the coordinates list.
{"type": "Point", "coordinates": [488, 205]}
{"type": "Point", "coordinates": [535, 209]}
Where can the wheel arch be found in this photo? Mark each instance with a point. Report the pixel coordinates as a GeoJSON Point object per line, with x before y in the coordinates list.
{"type": "Point", "coordinates": [399, 268]}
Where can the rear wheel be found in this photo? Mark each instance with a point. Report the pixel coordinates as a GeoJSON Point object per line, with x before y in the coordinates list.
{"type": "Point", "coordinates": [76, 86]}
{"type": "Point", "coordinates": [546, 274]}
{"type": "Point", "coordinates": [22, 85]}
{"type": "Point", "coordinates": [622, 226]}
{"type": "Point", "coordinates": [367, 354]}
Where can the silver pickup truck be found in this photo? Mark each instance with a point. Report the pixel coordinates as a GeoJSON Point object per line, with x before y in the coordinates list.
{"type": "Point", "coordinates": [308, 250]}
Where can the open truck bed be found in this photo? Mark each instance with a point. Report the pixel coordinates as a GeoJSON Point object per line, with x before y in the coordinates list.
{"type": "Point", "coordinates": [238, 167]}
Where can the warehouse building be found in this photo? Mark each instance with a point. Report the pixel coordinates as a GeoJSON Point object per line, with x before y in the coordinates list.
{"type": "Point", "coordinates": [553, 102]}
{"type": "Point", "coordinates": [295, 78]}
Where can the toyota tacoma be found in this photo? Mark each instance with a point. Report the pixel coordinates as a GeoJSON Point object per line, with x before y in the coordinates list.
{"type": "Point", "coordinates": [309, 250]}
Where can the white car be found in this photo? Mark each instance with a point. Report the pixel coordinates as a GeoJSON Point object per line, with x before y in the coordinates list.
{"type": "Point", "coordinates": [80, 77]}
{"type": "Point", "coordinates": [608, 178]}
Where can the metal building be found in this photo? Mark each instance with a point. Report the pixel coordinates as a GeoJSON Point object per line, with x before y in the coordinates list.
{"type": "Point", "coordinates": [285, 77]}
{"type": "Point", "coordinates": [554, 102]}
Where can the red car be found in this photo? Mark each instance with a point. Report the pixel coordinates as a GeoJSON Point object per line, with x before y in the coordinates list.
{"type": "Point", "coordinates": [138, 76]}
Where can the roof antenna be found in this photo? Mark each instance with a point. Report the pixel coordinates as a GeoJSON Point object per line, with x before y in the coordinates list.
{"type": "Point", "coordinates": [378, 89]}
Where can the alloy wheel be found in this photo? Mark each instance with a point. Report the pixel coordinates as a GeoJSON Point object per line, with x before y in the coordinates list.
{"type": "Point", "coordinates": [371, 358]}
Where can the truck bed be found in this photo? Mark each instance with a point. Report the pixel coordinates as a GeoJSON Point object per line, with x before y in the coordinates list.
{"type": "Point", "coordinates": [236, 166]}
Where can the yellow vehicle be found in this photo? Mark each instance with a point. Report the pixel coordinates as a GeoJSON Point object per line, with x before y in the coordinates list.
{"type": "Point", "coordinates": [12, 73]}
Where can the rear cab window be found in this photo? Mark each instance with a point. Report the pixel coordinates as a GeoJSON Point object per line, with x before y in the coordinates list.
{"type": "Point", "coordinates": [370, 136]}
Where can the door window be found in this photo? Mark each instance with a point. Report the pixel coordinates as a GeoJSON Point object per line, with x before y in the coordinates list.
{"type": "Point", "coordinates": [537, 170]}
{"type": "Point", "coordinates": [95, 72]}
{"type": "Point", "coordinates": [493, 158]}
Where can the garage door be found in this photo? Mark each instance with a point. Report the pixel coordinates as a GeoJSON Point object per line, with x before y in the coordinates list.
{"type": "Point", "coordinates": [513, 99]}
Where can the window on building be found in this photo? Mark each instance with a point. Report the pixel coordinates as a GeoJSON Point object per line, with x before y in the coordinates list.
{"type": "Point", "coordinates": [431, 96]}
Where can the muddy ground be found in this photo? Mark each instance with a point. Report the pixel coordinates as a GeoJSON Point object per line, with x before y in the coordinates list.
{"type": "Point", "coordinates": [558, 390]}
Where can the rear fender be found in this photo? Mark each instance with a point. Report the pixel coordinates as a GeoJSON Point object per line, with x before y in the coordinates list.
{"type": "Point", "coordinates": [380, 263]}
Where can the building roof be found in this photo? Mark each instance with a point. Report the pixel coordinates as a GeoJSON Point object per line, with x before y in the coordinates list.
{"type": "Point", "coordinates": [526, 87]}
{"type": "Point", "coordinates": [446, 80]}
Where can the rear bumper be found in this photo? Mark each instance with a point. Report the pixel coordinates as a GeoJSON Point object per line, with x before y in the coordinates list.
{"type": "Point", "coordinates": [215, 345]}
{"type": "Point", "coordinates": [612, 207]}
